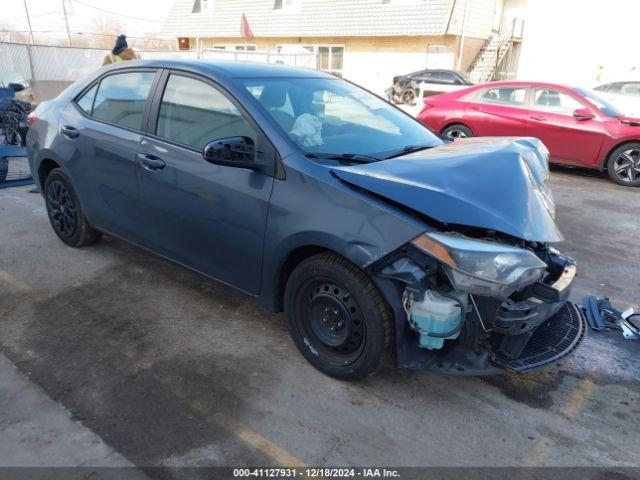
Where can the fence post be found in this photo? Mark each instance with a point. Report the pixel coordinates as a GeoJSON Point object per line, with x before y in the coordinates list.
{"type": "Point", "coordinates": [33, 73]}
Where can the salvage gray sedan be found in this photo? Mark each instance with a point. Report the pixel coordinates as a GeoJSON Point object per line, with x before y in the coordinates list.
{"type": "Point", "coordinates": [380, 241]}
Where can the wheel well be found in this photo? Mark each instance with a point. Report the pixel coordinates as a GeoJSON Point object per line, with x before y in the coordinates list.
{"type": "Point", "coordinates": [450, 124]}
{"type": "Point", "coordinates": [293, 259]}
{"type": "Point", "coordinates": [45, 167]}
{"type": "Point", "coordinates": [605, 160]}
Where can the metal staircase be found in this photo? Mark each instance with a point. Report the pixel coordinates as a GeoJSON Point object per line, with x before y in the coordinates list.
{"type": "Point", "coordinates": [491, 54]}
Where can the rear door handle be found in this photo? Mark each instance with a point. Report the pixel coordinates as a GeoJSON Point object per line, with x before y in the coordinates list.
{"type": "Point", "coordinates": [69, 131]}
{"type": "Point", "coordinates": [477, 109]}
{"type": "Point", "coordinates": [149, 162]}
{"type": "Point", "coordinates": [538, 118]}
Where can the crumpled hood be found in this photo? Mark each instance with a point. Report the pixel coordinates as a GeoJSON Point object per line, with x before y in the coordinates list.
{"type": "Point", "coordinates": [496, 183]}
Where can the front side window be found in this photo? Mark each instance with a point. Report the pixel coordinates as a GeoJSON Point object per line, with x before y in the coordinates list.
{"type": "Point", "coordinates": [323, 115]}
{"type": "Point", "coordinates": [554, 101]}
{"type": "Point", "coordinates": [509, 96]}
{"type": "Point", "coordinates": [605, 107]}
{"type": "Point", "coordinates": [121, 98]}
{"type": "Point", "coordinates": [195, 113]}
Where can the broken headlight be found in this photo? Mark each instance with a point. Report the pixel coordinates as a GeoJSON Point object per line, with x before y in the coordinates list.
{"type": "Point", "coordinates": [482, 268]}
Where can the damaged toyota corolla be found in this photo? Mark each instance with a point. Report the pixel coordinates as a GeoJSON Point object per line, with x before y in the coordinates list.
{"type": "Point", "coordinates": [381, 242]}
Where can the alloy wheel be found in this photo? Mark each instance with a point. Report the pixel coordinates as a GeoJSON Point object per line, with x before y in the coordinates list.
{"type": "Point", "coordinates": [61, 209]}
{"type": "Point", "coordinates": [627, 166]}
{"type": "Point", "coordinates": [455, 133]}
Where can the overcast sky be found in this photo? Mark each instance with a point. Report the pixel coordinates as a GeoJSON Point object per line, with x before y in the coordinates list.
{"type": "Point", "coordinates": [137, 16]}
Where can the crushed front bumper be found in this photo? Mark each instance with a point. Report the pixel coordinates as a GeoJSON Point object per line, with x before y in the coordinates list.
{"type": "Point", "coordinates": [531, 332]}
{"type": "Point", "coordinates": [554, 339]}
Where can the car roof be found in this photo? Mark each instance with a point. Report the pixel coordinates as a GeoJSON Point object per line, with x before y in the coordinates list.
{"type": "Point", "coordinates": [524, 83]}
{"type": "Point", "coordinates": [227, 68]}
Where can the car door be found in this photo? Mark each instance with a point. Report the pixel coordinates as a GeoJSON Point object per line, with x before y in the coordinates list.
{"type": "Point", "coordinates": [209, 217]}
{"type": "Point", "coordinates": [570, 140]}
{"type": "Point", "coordinates": [100, 133]}
{"type": "Point", "coordinates": [498, 111]}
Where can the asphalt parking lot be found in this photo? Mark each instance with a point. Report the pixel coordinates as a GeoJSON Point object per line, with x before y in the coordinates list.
{"type": "Point", "coordinates": [166, 368]}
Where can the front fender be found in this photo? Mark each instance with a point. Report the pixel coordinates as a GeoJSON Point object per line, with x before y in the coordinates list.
{"type": "Point", "coordinates": [312, 208]}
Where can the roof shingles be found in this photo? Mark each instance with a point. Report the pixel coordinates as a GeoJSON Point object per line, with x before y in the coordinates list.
{"type": "Point", "coordinates": [312, 18]}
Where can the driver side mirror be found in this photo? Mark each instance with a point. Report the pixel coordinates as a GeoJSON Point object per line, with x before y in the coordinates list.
{"type": "Point", "coordinates": [16, 87]}
{"type": "Point", "coordinates": [232, 152]}
{"type": "Point", "coordinates": [582, 114]}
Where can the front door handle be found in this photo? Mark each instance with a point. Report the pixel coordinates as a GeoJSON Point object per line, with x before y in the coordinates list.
{"type": "Point", "coordinates": [538, 118]}
{"type": "Point", "coordinates": [149, 162]}
{"type": "Point", "coordinates": [477, 109]}
{"type": "Point", "coordinates": [69, 131]}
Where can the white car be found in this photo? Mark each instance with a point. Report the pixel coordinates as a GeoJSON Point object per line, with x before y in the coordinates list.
{"type": "Point", "coordinates": [624, 95]}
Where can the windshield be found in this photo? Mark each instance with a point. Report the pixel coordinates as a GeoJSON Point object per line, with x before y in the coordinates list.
{"type": "Point", "coordinates": [605, 107]}
{"type": "Point", "coordinates": [332, 116]}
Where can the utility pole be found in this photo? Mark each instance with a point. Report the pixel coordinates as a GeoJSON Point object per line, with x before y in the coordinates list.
{"type": "Point", "coordinates": [28, 21]}
{"type": "Point", "coordinates": [66, 21]}
{"type": "Point", "coordinates": [463, 33]}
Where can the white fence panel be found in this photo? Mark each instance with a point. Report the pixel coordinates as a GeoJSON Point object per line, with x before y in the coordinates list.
{"type": "Point", "coordinates": [15, 58]}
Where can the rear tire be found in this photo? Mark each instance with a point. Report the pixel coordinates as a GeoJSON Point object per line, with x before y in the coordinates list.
{"type": "Point", "coordinates": [337, 317]}
{"type": "Point", "coordinates": [65, 212]}
{"type": "Point", "coordinates": [457, 131]}
{"type": "Point", "coordinates": [623, 166]}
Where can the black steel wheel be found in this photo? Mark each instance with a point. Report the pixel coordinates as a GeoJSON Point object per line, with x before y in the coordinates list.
{"type": "Point", "coordinates": [337, 318]}
{"type": "Point", "coordinates": [65, 213]}
{"type": "Point", "coordinates": [624, 165]}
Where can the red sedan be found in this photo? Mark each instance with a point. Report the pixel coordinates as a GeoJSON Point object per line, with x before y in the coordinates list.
{"type": "Point", "coordinates": [578, 127]}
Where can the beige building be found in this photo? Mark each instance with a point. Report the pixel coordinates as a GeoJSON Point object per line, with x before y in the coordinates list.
{"type": "Point", "coordinates": [366, 41]}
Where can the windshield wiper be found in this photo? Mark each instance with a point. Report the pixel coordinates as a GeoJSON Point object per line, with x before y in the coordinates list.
{"type": "Point", "coordinates": [408, 149]}
{"type": "Point", "coordinates": [345, 157]}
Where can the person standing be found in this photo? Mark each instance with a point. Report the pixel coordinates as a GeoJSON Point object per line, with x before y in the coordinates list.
{"type": "Point", "coordinates": [120, 52]}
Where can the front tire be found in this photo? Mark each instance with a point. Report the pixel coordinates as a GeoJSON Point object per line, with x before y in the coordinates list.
{"type": "Point", "coordinates": [457, 131]}
{"type": "Point", "coordinates": [409, 97]}
{"type": "Point", "coordinates": [337, 317]}
{"type": "Point", "coordinates": [623, 166]}
{"type": "Point", "coordinates": [65, 212]}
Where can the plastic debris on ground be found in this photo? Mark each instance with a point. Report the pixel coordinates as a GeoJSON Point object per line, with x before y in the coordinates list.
{"type": "Point", "coordinates": [601, 315]}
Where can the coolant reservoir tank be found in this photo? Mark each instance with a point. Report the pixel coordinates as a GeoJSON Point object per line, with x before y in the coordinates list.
{"type": "Point", "coordinates": [437, 314]}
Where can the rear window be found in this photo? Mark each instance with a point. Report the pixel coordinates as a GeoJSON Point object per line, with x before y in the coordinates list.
{"type": "Point", "coordinates": [512, 96]}
{"type": "Point", "coordinates": [121, 98]}
{"type": "Point", "coordinates": [85, 102]}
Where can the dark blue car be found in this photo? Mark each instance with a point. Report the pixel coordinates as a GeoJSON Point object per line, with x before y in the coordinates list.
{"type": "Point", "coordinates": [381, 242]}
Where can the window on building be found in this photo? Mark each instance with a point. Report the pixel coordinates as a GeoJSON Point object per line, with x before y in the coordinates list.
{"type": "Point", "coordinates": [283, 4]}
{"type": "Point", "coordinates": [121, 98]}
{"type": "Point", "coordinates": [239, 47]}
{"type": "Point", "coordinates": [194, 113]}
{"type": "Point", "coordinates": [86, 101]}
{"type": "Point", "coordinates": [512, 96]}
{"type": "Point", "coordinates": [199, 6]}
{"type": "Point", "coordinates": [554, 101]}
{"type": "Point", "coordinates": [329, 58]}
